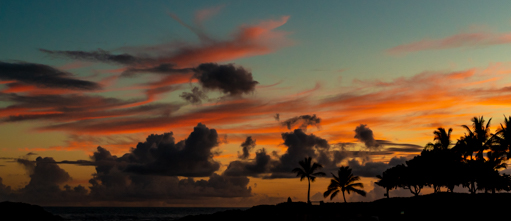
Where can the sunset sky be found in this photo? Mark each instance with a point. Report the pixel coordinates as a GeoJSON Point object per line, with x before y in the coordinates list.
{"type": "Point", "coordinates": [235, 93]}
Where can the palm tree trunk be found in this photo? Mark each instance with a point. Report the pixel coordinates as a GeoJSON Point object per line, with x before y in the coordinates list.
{"type": "Point", "coordinates": [309, 192]}
{"type": "Point", "coordinates": [343, 197]}
{"type": "Point", "coordinates": [388, 193]}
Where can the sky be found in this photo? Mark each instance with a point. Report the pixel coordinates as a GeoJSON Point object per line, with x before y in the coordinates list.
{"type": "Point", "coordinates": [213, 103]}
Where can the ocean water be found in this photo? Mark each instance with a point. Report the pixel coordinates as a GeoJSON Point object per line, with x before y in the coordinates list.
{"type": "Point", "coordinates": [131, 213]}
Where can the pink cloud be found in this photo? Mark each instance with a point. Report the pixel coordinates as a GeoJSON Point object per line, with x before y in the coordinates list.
{"type": "Point", "coordinates": [207, 13]}
{"type": "Point", "coordinates": [455, 41]}
{"type": "Point", "coordinates": [245, 41]}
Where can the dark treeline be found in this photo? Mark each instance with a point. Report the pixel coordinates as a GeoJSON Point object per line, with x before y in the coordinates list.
{"type": "Point", "coordinates": [473, 162]}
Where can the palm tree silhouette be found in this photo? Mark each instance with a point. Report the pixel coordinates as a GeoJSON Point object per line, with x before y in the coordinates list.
{"type": "Point", "coordinates": [503, 138]}
{"type": "Point", "coordinates": [466, 146]}
{"type": "Point", "coordinates": [442, 138]}
{"type": "Point", "coordinates": [439, 152]}
{"type": "Point", "coordinates": [307, 170]}
{"type": "Point", "coordinates": [345, 181]}
{"type": "Point", "coordinates": [481, 134]}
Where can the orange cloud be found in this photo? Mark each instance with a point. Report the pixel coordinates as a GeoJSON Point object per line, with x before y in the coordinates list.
{"type": "Point", "coordinates": [424, 101]}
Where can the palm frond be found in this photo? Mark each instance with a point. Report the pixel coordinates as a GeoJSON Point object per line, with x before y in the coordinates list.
{"type": "Point", "coordinates": [344, 182]}
{"type": "Point", "coordinates": [334, 194]}
{"type": "Point", "coordinates": [361, 192]}
{"type": "Point", "coordinates": [328, 192]}
{"type": "Point", "coordinates": [356, 185]}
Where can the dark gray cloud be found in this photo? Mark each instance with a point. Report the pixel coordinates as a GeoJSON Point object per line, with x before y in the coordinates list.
{"type": "Point", "coordinates": [165, 68]}
{"type": "Point", "coordinates": [299, 146]}
{"type": "Point", "coordinates": [43, 76]}
{"type": "Point", "coordinates": [219, 186]}
{"type": "Point", "coordinates": [365, 135]}
{"type": "Point", "coordinates": [118, 186]}
{"type": "Point", "coordinates": [77, 162]}
{"type": "Point", "coordinates": [74, 107]}
{"type": "Point", "coordinates": [27, 164]}
{"type": "Point", "coordinates": [99, 56]}
{"type": "Point", "coordinates": [46, 173]}
{"type": "Point", "coordinates": [195, 97]}
{"type": "Point", "coordinates": [62, 102]}
{"type": "Point", "coordinates": [86, 114]}
{"type": "Point", "coordinates": [371, 169]}
{"type": "Point", "coordinates": [247, 146]}
{"type": "Point", "coordinates": [227, 79]}
{"type": "Point", "coordinates": [394, 161]}
{"type": "Point", "coordinates": [4, 190]}
{"type": "Point", "coordinates": [149, 171]}
{"type": "Point", "coordinates": [261, 164]}
{"type": "Point", "coordinates": [400, 147]}
{"type": "Point", "coordinates": [43, 188]}
{"type": "Point", "coordinates": [135, 63]}
{"type": "Point", "coordinates": [191, 157]}
{"type": "Point", "coordinates": [111, 184]}
{"type": "Point", "coordinates": [303, 121]}
{"type": "Point", "coordinates": [161, 155]}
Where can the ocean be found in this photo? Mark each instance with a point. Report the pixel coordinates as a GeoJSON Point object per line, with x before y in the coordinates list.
{"type": "Point", "coordinates": [130, 213]}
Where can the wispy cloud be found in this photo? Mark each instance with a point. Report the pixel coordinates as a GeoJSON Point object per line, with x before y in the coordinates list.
{"type": "Point", "coordinates": [43, 76]}
{"type": "Point", "coordinates": [204, 14]}
{"type": "Point", "coordinates": [473, 39]}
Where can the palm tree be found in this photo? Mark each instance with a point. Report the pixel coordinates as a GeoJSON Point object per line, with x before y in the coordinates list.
{"type": "Point", "coordinates": [466, 146]}
{"type": "Point", "coordinates": [442, 138]}
{"type": "Point", "coordinates": [307, 170]}
{"type": "Point", "coordinates": [345, 181]}
{"type": "Point", "coordinates": [503, 137]}
{"type": "Point", "coordinates": [481, 134]}
{"type": "Point", "coordinates": [438, 153]}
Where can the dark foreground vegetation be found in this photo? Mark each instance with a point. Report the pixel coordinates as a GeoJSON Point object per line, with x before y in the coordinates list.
{"type": "Point", "coordinates": [439, 206]}
{"type": "Point", "coordinates": [25, 212]}
{"type": "Point", "coordinates": [473, 162]}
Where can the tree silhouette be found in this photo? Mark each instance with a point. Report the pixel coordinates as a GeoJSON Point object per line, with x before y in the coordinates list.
{"type": "Point", "coordinates": [389, 179]}
{"type": "Point", "coordinates": [481, 133]}
{"type": "Point", "coordinates": [307, 171]}
{"type": "Point", "coordinates": [413, 177]}
{"type": "Point", "coordinates": [442, 138]}
{"type": "Point", "coordinates": [439, 159]}
{"type": "Point", "coordinates": [345, 181]}
{"type": "Point", "coordinates": [439, 165]}
{"type": "Point", "coordinates": [503, 137]}
{"type": "Point", "coordinates": [489, 175]}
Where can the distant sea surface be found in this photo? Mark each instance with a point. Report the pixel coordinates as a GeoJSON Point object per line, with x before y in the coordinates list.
{"type": "Point", "coordinates": [131, 213]}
